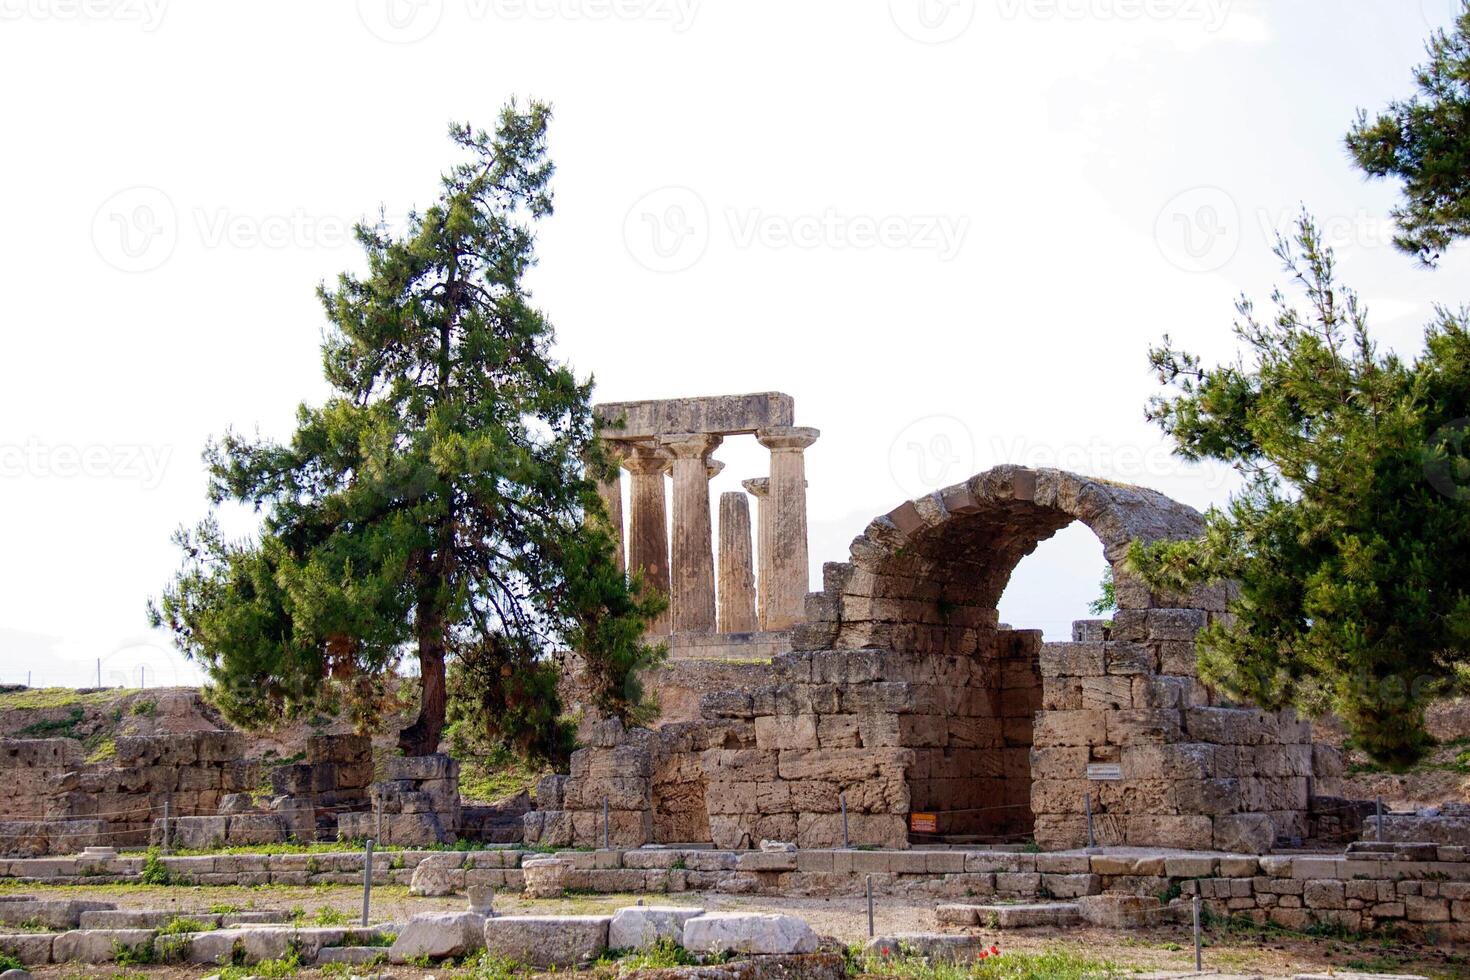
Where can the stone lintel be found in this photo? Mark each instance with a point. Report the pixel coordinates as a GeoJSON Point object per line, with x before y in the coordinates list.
{"type": "Point", "coordinates": [713, 415]}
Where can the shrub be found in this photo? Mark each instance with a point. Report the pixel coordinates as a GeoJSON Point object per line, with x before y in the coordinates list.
{"type": "Point", "coordinates": [155, 872]}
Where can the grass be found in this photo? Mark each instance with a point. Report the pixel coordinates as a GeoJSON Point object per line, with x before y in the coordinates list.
{"type": "Point", "coordinates": [9, 962]}
{"type": "Point", "coordinates": [41, 698]}
{"type": "Point", "coordinates": [54, 727]}
{"type": "Point", "coordinates": [106, 749]}
{"type": "Point", "coordinates": [495, 776]}
{"type": "Point", "coordinates": [286, 966]}
{"type": "Point", "coordinates": [1058, 965]}
{"type": "Point", "coordinates": [662, 955]}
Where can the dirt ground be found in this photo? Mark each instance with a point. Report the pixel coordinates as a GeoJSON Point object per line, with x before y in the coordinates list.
{"type": "Point", "coordinates": [1165, 947]}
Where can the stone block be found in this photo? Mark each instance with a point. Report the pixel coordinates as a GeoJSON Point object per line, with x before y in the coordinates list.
{"type": "Point", "coordinates": [642, 926]}
{"type": "Point", "coordinates": [96, 945]}
{"type": "Point", "coordinates": [766, 934]}
{"type": "Point", "coordinates": [438, 935]}
{"type": "Point", "coordinates": [545, 941]}
{"type": "Point", "coordinates": [31, 948]}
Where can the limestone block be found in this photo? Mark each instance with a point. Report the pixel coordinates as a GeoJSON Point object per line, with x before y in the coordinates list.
{"type": "Point", "coordinates": [752, 934]}
{"type": "Point", "coordinates": [438, 935]}
{"type": "Point", "coordinates": [1137, 726]}
{"type": "Point", "coordinates": [620, 792]}
{"type": "Point", "coordinates": [31, 948]}
{"type": "Point", "coordinates": [1244, 833]}
{"type": "Point", "coordinates": [545, 877]}
{"type": "Point", "coordinates": [1060, 728]}
{"type": "Point", "coordinates": [1072, 660]}
{"type": "Point", "coordinates": [641, 926]}
{"type": "Point", "coordinates": [547, 941]}
{"type": "Point", "coordinates": [767, 861]}
{"type": "Point", "coordinates": [786, 732]}
{"type": "Point", "coordinates": [96, 945]}
{"type": "Point", "coordinates": [431, 880]}
{"type": "Point", "coordinates": [549, 792]}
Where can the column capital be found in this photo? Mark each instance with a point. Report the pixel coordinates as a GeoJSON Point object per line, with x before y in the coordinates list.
{"type": "Point", "coordinates": [644, 460]}
{"type": "Point", "coordinates": [758, 486]}
{"type": "Point", "coordinates": [690, 445]}
{"type": "Point", "coordinates": [787, 437]}
{"type": "Point", "coordinates": [713, 468]}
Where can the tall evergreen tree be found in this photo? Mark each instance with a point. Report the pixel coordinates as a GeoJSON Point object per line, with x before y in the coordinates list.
{"type": "Point", "coordinates": [1424, 141]}
{"type": "Point", "coordinates": [1350, 544]}
{"type": "Point", "coordinates": [441, 502]}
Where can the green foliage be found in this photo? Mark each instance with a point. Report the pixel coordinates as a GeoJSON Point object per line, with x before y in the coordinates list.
{"type": "Point", "coordinates": [145, 708]}
{"type": "Point", "coordinates": [53, 728]}
{"type": "Point", "coordinates": [662, 955]}
{"type": "Point", "coordinates": [286, 966]}
{"type": "Point", "coordinates": [141, 954]}
{"type": "Point", "coordinates": [1107, 599]}
{"type": "Point", "coordinates": [488, 967]}
{"type": "Point", "coordinates": [443, 500]}
{"type": "Point", "coordinates": [1350, 542]}
{"type": "Point", "coordinates": [155, 872]}
{"type": "Point", "coordinates": [9, 961]}
{"type": "Point", "coordinates": [1424, 141]}
{"type": "Point", "coordinates": [1050, 965]}
{"type": "Point", "coordinates": [181, 924]}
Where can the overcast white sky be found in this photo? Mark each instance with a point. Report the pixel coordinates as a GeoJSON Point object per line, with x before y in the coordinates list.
{"type": "Point", "coordinates": [949, 228]}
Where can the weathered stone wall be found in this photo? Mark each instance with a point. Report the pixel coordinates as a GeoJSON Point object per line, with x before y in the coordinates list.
{"type": "Point", "coordinates": [417, 802]}
{"type": "Point", "coordinates": [191, 772]}
{"type": "Point", "coordinates": [334, 779]}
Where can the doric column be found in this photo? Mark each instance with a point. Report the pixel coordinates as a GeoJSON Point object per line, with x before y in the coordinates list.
{"type": "Point", "coordinates": [737, 579]}
{"type": "Point", "coordinates": [611, 492]}
{"type": "Point", "coordinates": [648, 529]}
{"type": "Point", "coordinates": [759, 489]}
{"type": "Point", "coordinates": [789, 571]}
{"type": "Point", "coordinates": [693, 567]}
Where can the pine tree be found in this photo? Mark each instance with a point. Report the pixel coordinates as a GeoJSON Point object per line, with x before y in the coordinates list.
{"type": "Point", "coordinates": [441, 502]}
{"type": "Point", "coordinates": [1425, 142]}
{"type": "Point", "coordinates": [1350, 544]}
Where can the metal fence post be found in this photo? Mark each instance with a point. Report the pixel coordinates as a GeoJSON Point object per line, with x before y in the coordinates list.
{"type": "Point", "coordinates": [842, 798]}
{"type": "Point", "coordinates": [1378, 814]}
{"type": "Point", "coordinates": [167, 841]}
{"type": "Point", "coordinates": [605, 836]}
{"type": "Point", "coordinates": [870, 906]}
{"type": "Point", "coordinates": [1087, 805]}
{"type": "Point", "coordinates": [367, 880]}
{"type": "Point", "coordinates": [1198, 959]}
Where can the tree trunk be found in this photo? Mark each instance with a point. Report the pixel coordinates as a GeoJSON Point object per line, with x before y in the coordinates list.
{"type": "Point", "coordinates": [422, 737]}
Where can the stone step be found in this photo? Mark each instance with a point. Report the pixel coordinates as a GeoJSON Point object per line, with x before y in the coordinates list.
{"type": "Point", "coordinates": [1031, 916]}
{"type": "Point", "coordinates": [355, 955]}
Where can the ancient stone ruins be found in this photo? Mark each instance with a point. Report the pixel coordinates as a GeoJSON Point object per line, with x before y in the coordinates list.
{"type": "Point", "coordinates": [887, 728]}
{"type": "Point", "coordinates": [896, 704]}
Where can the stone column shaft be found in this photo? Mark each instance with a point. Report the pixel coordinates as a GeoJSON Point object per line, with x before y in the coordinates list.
{"type": "Point", "coordinates": [737, 580]}
{"type": "Point", "coordinates": [692, 583]}
{"type": "Point", "coordinates": [648, 529]}
{"type": "Point", "coordinates": [790, 575]}
{"type": "Point", "coordinates": [611, 492]}
{"type": "Point", "coordinates": [759, 488]}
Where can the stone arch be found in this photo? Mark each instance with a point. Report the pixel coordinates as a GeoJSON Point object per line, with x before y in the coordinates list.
{"type": "Point", "coordinates": [998, 729]}
{"type": "Point", "coordinates": [928, 574]}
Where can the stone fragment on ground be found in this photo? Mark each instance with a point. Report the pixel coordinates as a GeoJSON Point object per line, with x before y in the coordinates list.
{"type": "Point", "coordinates": [547, 940]}
{"type": "Point", "coordinates": [438, 935]}
{"type": "Point", "coordinates": [764, 933]}
{"type": "Point", "coordinates": [641, 926]}
{"type": "Point", "coordinates": [937, 947]}
{"type": "Point", "coordinates": [435, 881]}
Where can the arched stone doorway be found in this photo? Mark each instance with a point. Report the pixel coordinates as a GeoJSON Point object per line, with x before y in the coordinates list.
{"type": "Point", "coordinates": [998, 730]}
